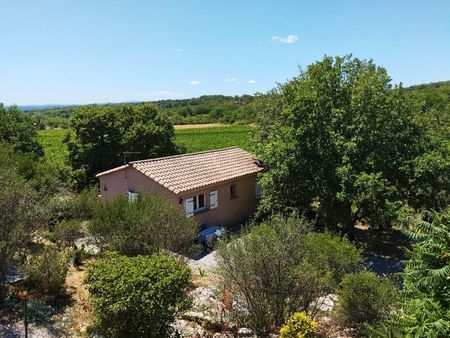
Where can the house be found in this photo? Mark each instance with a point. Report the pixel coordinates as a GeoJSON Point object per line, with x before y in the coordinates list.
{"type": "Point", "coordinates": [216, 187]}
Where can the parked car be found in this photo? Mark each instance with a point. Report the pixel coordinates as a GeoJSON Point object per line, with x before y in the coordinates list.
{"type": "Point", "coordinates": [208, 236]}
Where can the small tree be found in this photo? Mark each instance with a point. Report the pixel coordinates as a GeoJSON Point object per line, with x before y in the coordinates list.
{"type": "Point", "coordinates": [47, 271]}
{"type": "Point", "coordinates": [19, 216]}
{"type": "Point", "coordinates": [137, 296]}
{"type": "Point", "coordinates": [16, 129]}
{"type": "Point", "coordinates": [366, 298]}
{"type": "Point", "coordinates": [142, 227]}
{"type": "Point", "coordinates": [425, 299]}
{"type": "Point", "coordinates": [277, 268]}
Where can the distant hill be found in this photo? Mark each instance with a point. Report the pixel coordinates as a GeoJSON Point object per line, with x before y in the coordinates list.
{"type": "Point", "coordinates": [434, 97]}
{"type": "Point", "coordinates": [203, 109]}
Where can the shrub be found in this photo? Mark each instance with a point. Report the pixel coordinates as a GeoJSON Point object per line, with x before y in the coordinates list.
{"type": "Point", "coordinates": [333, 256]}
{"type": "Point", "coordinates": [149, 224]}
{"type": "Point", "coordinates": [299, 325]}
{"type": "Point", "coordinates": [46, 272]}
{"type": "Point", "coordinates": [366, 298]}
{"type": "Point", "coordinates": [137, 296]}
{"type": "Point", "coordinates": [275, 269]}
{"type": "Point", "coordinates": [66, 233]}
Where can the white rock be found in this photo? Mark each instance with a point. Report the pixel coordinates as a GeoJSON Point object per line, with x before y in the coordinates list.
{"type": "Point", "coordinates": [245, 332]}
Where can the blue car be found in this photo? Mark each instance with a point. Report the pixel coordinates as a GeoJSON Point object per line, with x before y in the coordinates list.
{"type": "Point", "coordinates": [208, 236]}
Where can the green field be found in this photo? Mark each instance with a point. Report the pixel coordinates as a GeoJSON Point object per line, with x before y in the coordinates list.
{"type": "Point", "coordinates": [201, 139]}
{"type": "Point", "coordinates": [54, 147]}
{"type": "Point", "coordinates": [196, 139]}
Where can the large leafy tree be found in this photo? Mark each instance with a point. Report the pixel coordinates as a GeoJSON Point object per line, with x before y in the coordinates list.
{"type": "Point", "coordinates": [103, 133]}
{"type": "Point", "coordinates": [17, 129]}
{"type": "Point", "coordinates": [344, 146]}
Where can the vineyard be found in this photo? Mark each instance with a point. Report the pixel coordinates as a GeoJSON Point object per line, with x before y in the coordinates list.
{"type": "Point", "coordinates": [55, 149]}
{"type": "Point", "coordinates": [200, 139]}
{"type": "Point", "coordinates": [194, 139]}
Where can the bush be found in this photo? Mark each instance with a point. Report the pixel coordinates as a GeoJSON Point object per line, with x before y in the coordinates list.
{"type": "Point", "coordinates": [65, 233]}
{"type": "Point", "coordinates": [333, 256]}
{"type": "Point", "coordinates": [72, 206]}
{"type": "Point", "coordinates": [366, 298]}
{"type": "Point", "coordinates": [149, 224]}
{"type": "Point", "coordinates": [299, 325]}
{"type": "Point", "coordinates": [137, 296]}
{"type": "Point", "coordinates": [46, 272]}
{"type": "Point", "coordinates": [277, 268]}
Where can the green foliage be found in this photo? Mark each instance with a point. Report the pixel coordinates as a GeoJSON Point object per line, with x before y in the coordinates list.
{"type": "Point", "coordinates": [193, 139]}
{"type": "Point", "coordinates": [299, 325]}
{"type": "Point", "coordinates": [426, 295]}
{"type": "Point", "coordinates": [137, 296]}
{"type": "Point", "coordinates": [55, 149]}
{"type": "Point", "coordinates": [103, 133]}
{"type": "Point", "coordinates": [277, 268]}
{"type": "Point", "coordinates": [342, 146]}
{"type": "Point", "coordinates": [366, 298]}
{"type": "Point", "coordinates": [333, 256]}
{"type": "Point", "coordinates": [20, 215]}
{"type": "Point", "coordinates": [203, 109]}
{"type": "Point", "coordinates": [39, 174]}
{"type": "Point", "coordinates": [201, 139]}
{"type": "Point", "coordinates": [46, 272]}
{"type": "Point", "coordinates": [16, 128]}
{"type": "Point", "coordinates": [149, 224]}
{"type": "Point", "coordinates": [65, 233]}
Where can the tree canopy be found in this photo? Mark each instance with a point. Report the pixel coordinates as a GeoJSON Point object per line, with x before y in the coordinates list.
{"type": "Point", "coordinates": [103, 133]}
{"type": "Point", "coordinates": [343, 146]}
{"type": "Point", "coordinates": [16, 128]}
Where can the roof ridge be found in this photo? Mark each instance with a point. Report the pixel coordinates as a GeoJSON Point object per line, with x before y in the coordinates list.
{"type": "Point", "coordinates": [184, 155]}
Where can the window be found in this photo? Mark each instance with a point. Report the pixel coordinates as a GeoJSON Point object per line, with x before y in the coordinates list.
{"type": "Point", "coordinates": [132, 195]}
{"type": "Point", "coordinates": [233, 190]}
{"type": "Point", "coordinates": [199, 202]}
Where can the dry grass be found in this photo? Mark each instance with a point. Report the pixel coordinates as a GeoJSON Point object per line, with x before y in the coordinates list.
{"type": "Point", "coordinates": [203, 125]}
{"type": "Point", "coordinates": [80, 313]}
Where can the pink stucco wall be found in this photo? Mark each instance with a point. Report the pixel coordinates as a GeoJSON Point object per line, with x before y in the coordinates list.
{"type": "Point", "coordinates": [230, 211]}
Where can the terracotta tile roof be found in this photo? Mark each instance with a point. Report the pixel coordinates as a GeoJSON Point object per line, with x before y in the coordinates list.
{"type": "Point", "coordinates": [186, 172]}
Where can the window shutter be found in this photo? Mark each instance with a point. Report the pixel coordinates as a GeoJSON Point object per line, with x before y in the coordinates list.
{"type": "Point", "coordinates": [189, 207]}
{"type": "Point", "coordinates": [258, 190]}
{"type": "Point", "coordinates": [213, 199]}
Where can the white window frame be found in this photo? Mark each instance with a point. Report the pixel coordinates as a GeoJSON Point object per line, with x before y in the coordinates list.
{"type": "Point", "coordinates": [196, 200]}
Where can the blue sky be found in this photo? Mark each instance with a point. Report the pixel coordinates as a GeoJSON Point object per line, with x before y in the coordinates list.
{"type": "Point", "coordinates": [84, 51]}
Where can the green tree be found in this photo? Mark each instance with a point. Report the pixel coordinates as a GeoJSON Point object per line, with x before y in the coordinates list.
{"type": "Point", "coordinates": [17, 129]}
{"type": "Point", "coordinates": [149, 224]}
{"type": "Point", "coordinates": [19, 216]}
{"type": "Point", "coordinates": [137, 296]}
{"type": "Point", "coordinates": [342, 146]}
{"type": "Point", "coordinates": [103, 133]}
{"type": "Point", "coordinates": [278, 268]}
{"type": "Point", "coordinates": [425, 298]}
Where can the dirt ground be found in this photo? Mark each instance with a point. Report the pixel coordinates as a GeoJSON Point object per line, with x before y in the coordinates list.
{"type": "Point", "coordinates": [203, 125]}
